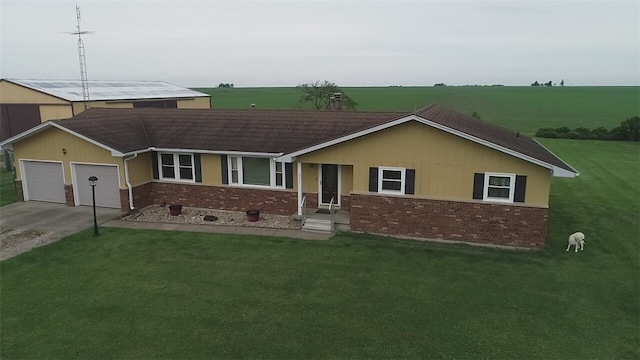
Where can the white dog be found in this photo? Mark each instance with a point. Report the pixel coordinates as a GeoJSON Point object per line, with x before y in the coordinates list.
{"type": "Point", "coordinates": [576, 239]}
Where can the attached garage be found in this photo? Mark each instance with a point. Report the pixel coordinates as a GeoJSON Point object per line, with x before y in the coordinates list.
{"type": "Point", "coordinates": [107, 188]}
{"type": "Point", "coordinates": [43, 181]}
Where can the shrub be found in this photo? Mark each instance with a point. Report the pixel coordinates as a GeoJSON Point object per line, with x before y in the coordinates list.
{"type": "Point", "coordinates": [547, 133]}
{"type": "Point", "coordinates": [629, 130]}
{"type": "Point", "coordinates": [599, 133]}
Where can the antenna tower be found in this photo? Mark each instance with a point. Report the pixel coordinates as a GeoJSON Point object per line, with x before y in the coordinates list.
{"type": "Point", "coordinates": [83, 61]}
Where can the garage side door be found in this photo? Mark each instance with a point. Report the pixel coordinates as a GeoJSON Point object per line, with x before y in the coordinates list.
{"type": "Point", "coordinates": [43, 181]}
{"type": "Point", "coordinates": [107, 189]}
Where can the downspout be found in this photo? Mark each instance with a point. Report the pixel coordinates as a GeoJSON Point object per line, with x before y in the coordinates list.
{"type": "Point", "coordinates": [299, 188]}
{"type": "Point", "coordinates": [126, 177]}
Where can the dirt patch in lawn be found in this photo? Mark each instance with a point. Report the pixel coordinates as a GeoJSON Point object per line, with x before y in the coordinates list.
{"type": "Point", "coordinates": [20, 240]}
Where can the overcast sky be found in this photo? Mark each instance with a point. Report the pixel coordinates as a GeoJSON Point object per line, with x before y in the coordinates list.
{"type": "Point", "coordinates": [351, 43]}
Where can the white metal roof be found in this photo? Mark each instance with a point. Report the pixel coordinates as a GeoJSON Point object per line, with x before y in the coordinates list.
{"type": "Point", "coordinates": [71, 90]}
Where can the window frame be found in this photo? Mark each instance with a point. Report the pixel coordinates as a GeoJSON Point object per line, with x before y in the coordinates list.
{"type": "Point", "coordinates": [381, 179]}
{"type": "Point", "coordinates": [512, 187]}
{"type": "Point", "coordinates": [273, 173]}
{"type": "Point", "coordinates": [176, 167]}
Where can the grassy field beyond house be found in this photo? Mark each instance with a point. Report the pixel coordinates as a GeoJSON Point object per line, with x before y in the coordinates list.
{"type": "Point", "coordinates": [523, 108]}
{"type": "Point", "coordinates": [160, 294]}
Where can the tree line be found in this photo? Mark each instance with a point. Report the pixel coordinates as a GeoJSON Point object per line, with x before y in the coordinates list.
{"type": "Point", "coordinates": [629, 130]}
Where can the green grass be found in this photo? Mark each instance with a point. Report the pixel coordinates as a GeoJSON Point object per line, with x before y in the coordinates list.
{"type": "Point", "coordinates": [155, 294]}
{"type": "Point", "coordinates": [8, 191]}
{"type": "Point", "coordinates": [525, 109]}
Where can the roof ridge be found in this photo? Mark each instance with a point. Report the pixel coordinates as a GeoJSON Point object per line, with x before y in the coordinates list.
{"type": "Point", "coordinates": [144, 129]}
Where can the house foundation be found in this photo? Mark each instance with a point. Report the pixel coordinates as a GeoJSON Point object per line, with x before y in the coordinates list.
{"type": "Point", "coordinates": [475, 222]}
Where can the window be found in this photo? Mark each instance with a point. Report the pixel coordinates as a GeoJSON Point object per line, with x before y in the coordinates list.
{"type": "Point", "coordinates": [279, 174]}
{"type": "Point", "coordinates": [256, 171]}
{"type": "Point", "coordinates": [499, 187]}
{"type": "Point", "coordinates": [176, 167]}
{"type": "Point", "coordinates": [391, 180]}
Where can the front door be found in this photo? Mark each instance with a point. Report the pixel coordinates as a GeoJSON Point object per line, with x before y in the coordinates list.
{"type": "Point", "coordinates": [329, 184]}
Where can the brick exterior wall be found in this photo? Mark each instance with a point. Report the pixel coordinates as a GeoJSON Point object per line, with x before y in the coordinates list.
{"type": "Point", "coordinates": [19, 190]}
{"type": "Point", "coordinates": [68, 195]}
{"type": "Point", "coordinates": [475, 222]}
{"type": "Point", "coordinates": [280, 202]}
{"type": "Point", "coordinates": [345, 202]}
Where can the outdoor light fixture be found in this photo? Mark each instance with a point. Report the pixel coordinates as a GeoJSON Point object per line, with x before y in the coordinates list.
{"type": "Point", "coordinates": [93, 181]}
{"type": "Point", "coordinates": [64, 151]}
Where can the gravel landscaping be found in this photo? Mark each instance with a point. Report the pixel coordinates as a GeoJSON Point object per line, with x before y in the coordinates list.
{"type": "Point", "coordinates": [157, 213]}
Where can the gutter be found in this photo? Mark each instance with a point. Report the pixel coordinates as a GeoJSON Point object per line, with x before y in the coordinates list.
{"type": "Point", "coordinates": [128, 181]}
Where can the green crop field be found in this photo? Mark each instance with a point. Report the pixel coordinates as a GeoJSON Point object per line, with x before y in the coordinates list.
{"type": "Point", "coordinates": [525, 109]}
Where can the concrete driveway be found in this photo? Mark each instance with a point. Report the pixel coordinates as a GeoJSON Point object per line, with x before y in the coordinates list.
{"type": "Point", "coordinates": [25, 225]}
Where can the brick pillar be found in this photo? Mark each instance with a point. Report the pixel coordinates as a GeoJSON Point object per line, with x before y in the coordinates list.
{"type": "Point", "coordinates": [18, 187]}
{"type": "Point", "coordinates": [68, 194]}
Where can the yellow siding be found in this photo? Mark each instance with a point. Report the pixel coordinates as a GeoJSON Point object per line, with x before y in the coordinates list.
{"type": "Point", "coordinates": [55, 112]}
{"type": "Point", "coordinates": [196, 103]}
{"type": "Point", "coordinates": [15, 94]}
{"type": "Point", "coordinates": [444, 163]}
{"type": "Point", "coordinates": [211, 169]}
{"type": "Point", "coordinates": [48, 145]}
{"type": "Point", "coordinates": [140, 169]}
{"type": "Point", "coordinates": [309, 178]}
{"type": "Point", "coordinates": [347, 179]}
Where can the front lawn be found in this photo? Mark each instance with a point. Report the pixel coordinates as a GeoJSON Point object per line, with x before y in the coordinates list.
{"type": "Point", "coordinates": [160, 294]}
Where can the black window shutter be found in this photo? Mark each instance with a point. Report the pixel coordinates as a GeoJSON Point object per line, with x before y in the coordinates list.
{"type": "Point", "coordinates": [521, 186]}
{"type": "Point", "coordinates": [373, 179]}
{"type": "Point", "coordinates": [410, 184]}
{"type": "Point", "coordinates": [225, 166]}
{"type": "Point", "coordinates": [478, 185]}
{"type": "Point", "coordinates": [154, 164]}
{"type": "Point", "coordinates": [198, 167]}
{"type": "Point", "coordinates": [288, 174]}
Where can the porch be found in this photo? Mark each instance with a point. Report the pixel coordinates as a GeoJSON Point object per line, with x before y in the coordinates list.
{"type": "Point", "coordinates": [325, 220]}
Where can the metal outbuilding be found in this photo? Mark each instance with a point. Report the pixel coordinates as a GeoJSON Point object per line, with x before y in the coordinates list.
{"type": "Point", "coordinates": [27, 103]}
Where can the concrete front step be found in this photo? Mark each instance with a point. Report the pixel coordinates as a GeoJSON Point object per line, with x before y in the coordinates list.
{"type": "Point", "coordinates": [317, 225]}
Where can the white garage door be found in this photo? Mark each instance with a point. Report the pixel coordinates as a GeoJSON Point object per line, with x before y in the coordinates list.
{"type": "Point", "coordinates": [107, 188]}
{"type": "Point", "coordinates": [43, 181]}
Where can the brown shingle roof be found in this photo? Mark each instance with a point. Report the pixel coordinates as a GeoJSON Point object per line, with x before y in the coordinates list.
{"type": "Point", "coordinates": [265, 131]}
{"type": "Point", "coordinates": [271, 131]}
{"type": "Point", "coordinates": [492, 133]}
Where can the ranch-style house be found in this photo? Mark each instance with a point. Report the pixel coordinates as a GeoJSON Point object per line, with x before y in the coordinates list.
{"type": "Point", "coordinates": [434, 173]}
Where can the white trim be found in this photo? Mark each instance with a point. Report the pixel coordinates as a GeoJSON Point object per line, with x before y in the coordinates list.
{"type": "Point", "coordinates": [299, 166]}
{"type": "Point", "coordinates": [74, 183]}
{"type": "Point", "coordinates": [557, 171]}
{"type": "Point", "coordinates": [512, 187]}
{"type": "Point", "coordinates": [128, 180]}
{"type": "Point", "coordinates": [176, 168]}
{"type": "Point", "coordinates": [25, 186]}
{"type": "Point", "coordinates": [291, 156]}
{"type": "Point", "coordinates": [339, 190]}
{"type": "Point", "coordinates": [240, 170]}
{"type": "Point", "coordinates": [403, 180]}
{"type": "Point", "coordinates": [560, 171]}
{"type": "Point", "coordinates": [8, 144]}
{"type": "Point", "coordinates": [213, 152]}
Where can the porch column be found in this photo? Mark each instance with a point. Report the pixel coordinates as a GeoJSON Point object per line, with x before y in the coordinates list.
{"type": "Point", "coordinates": [300, 209]}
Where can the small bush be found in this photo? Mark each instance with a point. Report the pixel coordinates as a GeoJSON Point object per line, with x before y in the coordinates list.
{"type": "Point", "coordinates": [547, 133]}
